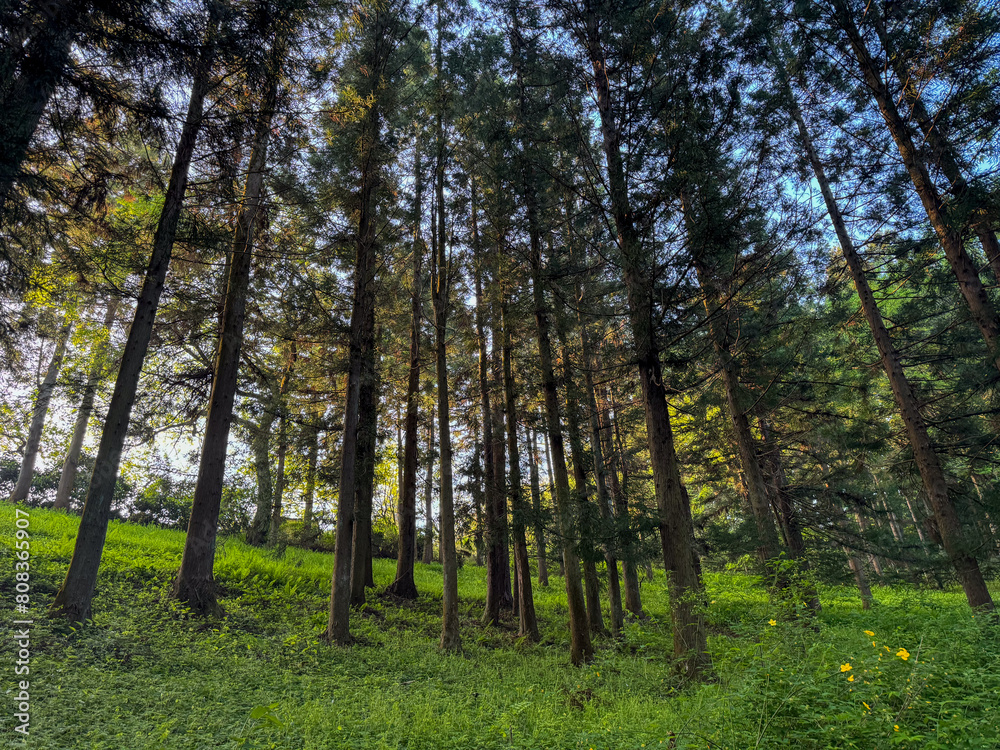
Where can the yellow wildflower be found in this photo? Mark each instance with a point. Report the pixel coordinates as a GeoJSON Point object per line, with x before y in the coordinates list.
{"type": "Point", "coordinates": [866, 705]}
{"type": "Point", "coordinates": [772, 623]}
{"type": "Point", "coordinates": [846, 667]}
{"type": "Point", "coordinates": [850, 678]}
{"type": "Point", "coordinates": [869, 633]}
{"type": "Point", "coordinates": [896, 727]}
{"type": "Point", "coordinates": [903, 654]}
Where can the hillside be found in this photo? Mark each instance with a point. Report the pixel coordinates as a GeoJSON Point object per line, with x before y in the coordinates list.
{"type": "Point", "coordinates": [145, 674]}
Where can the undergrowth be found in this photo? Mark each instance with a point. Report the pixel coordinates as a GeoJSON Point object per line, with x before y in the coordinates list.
{"type": "Point", "coordinates": [917, 671]}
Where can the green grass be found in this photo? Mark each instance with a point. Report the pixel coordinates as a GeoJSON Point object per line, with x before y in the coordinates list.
{"type": "Point", "coordinates": [145, 674]}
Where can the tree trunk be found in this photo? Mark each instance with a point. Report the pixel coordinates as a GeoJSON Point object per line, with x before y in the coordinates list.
{"type": "Point", "coordinates": [68, 476]}
{"type": "Point", "coordinates": [441, 282]}
{"type": "Point", "coordinates": [404, 585]}
{"type": "Point", "coordinates": [260, 441]}
{"type": "Point", "coordinates": [312, 459]}
{"type": "Point", "coordinates": [924, 454]}
{"type": "Point", "coordinates": [74, 597]}
{"type": "Point", "coordinates": [38, 413]}
{"type": "Point", "coordinates": [714, 299]}
{"type": "Point", "coordinates": [428, 550]}
{"type": "Point", "coordinates": [279, 489]}
{"type": "Point", "coordinates": [964, 269]}
{"type": "Point", "coordinates": [361, 563]}
{"type": "Point", "coordinates": [676, 528]}
{"type": "Point", "coordinates": [195, 584]}
{"type": "Point", "coordinates": [495, 536]}
{"type": "Point", "coordinates": [528, 624]}
{"type": "Point", "coordinates": [591, 583]}
{"type": "Point", "coordinates": [601, 477]}
{"type": "Point", "coordinates": [858, 569]}
{"type": "Point", "coordinates": [362, 344]}
{"type": "Point", "coordinates": [944, 153]}
{"type": "Point", "coordinates": [26, 94]}
{"type": "Point", "coordinates": [633, 600]}
{"type": "Point", "coordinates": [581, 648]}
{"type": "Point", "coordinates": [536, 505]}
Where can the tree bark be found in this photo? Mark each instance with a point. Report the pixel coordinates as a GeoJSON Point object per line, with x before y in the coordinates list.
{"type": "Point", "coordinates": [279, 489]}
{"type": "Point", "coordinates": [944, 152]}
{"type": "Point", "coordinates": [441, 282]}
{"type": "Point", "coordinates": [601, 476]}
{"type": "Point", "coordinates": [983, 313]}
{"type": "Point", "coordinates": [260, 442]}
{"type": "Point", "coordinates": [73, 599]}
{"type": "Point", "coordinates": [361, 563]}
{"type": "Point", "coordinates": [26, 94]}
{"type": "Point", "coordinates": [404, 585]}
{"type": "Point", "coordinates": [536, 504]}
{"type": "Point", "coordinates": [362, 341]}
{"type": "Point", "coordinates": [68, 476]}
{"type": "Point", "coordinates": [38, 413]}
{"type": "Point", "coordinates": [591, 584]}
{"type": "Point", "coordinates": [676, 528]}
{"type": "Point", "coordinates": [633, 599]}
{"type": "Point", "coordinates": [528, 624]}
{"type": "Point", "coordinates": [195, 584]}
{"type": "Point", "coordinates": [428, 556]}
{"type": "Point", "coordinates": [928, 464]}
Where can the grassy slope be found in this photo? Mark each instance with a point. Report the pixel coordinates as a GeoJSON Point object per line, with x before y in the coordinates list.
{"type": "Point", "coordinates": [145, 675]}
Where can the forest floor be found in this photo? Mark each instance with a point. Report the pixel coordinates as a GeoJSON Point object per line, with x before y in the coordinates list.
{"type": "Point", "coordinates": [145, 674]}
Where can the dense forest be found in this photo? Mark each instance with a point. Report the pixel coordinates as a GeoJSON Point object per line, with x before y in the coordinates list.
{"type": "Point", "coordinates": [607, 307]}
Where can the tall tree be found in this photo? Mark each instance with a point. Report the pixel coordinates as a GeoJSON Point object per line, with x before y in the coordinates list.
{"type": "Point", "coordinates": [195, 583]}
{"type": "Point", "coordinates": [74, 596]}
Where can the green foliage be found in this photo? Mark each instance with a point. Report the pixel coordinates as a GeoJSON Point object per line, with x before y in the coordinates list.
{"type": "Point", "coordinates": [146, 674]}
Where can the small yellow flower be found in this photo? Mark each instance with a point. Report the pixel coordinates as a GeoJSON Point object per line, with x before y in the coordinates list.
{"type": "Point", "coordinates": [850, 678]}
{"type": "Point", "coordinates": [873, 644]}
{"type": "Point", "coordinates": [846, 667]}
{"type": "Point", "coordinates": [866, 705]}
{"type": "Point", "coordinates": [896, 727]}
{"type": "Point", "coordinates": [869, 633]}
{"type": "Point", "coordinates": [772, 623]}
{"type": "Point", "coordinates": [903, 654]}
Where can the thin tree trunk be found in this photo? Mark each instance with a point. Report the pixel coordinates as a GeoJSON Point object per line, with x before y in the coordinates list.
{"type": "Point", "coordinates": [858, 569]}
{"type": "Point", "coordinates": [362, 344]}
{"type": "Point", "coordinates": [944, 152]}
{"type": "Point", "coordinates": [74, 596]}
{"type": "Point", "coordinates": [404, 585]}
{"type": "Point", "coordinates": [312, 459]}
{"type": "Point", "coordinates": [528, 624]}
{"type": "Point", "coordinates": [601, 477]}
{"type": "Point", "coordinates": [260, 441]}
{"type": "Point", "coordinates": [924, 454]}
{"type": "Point", "coordinates": [279, 489]}
{"type": "Point", "coordinates": [428, 556]}
{"type": "Point", "coordinates": [536, 505]}
{"type": "Point", "coordinates": [26, 94]}
{"type": "Point", "coordinates": [495, 538]}
{"type": "Point", "coordinates": [753, 474]}
{"type": "Point", "coordinates": [633, 599]}
{"type": "Point", "coordinates": [68, 476]}
{"type": "Point", "coordinates": [361, 568]}
{"type": "Point", "coordinates": [38, 413]}
{"type": "Point", "coordinates": [581, 648]}
{"type": "Point", "coordinates": [676, 528]}
{"type": "Point", "coordinates": [195, 584]}
{"type": "Point", "coordinates": [441, 281]}
{"type": "Point", "coordinates": [591, 583]}
{"type": "Point", "coordinates": [969, 283]}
